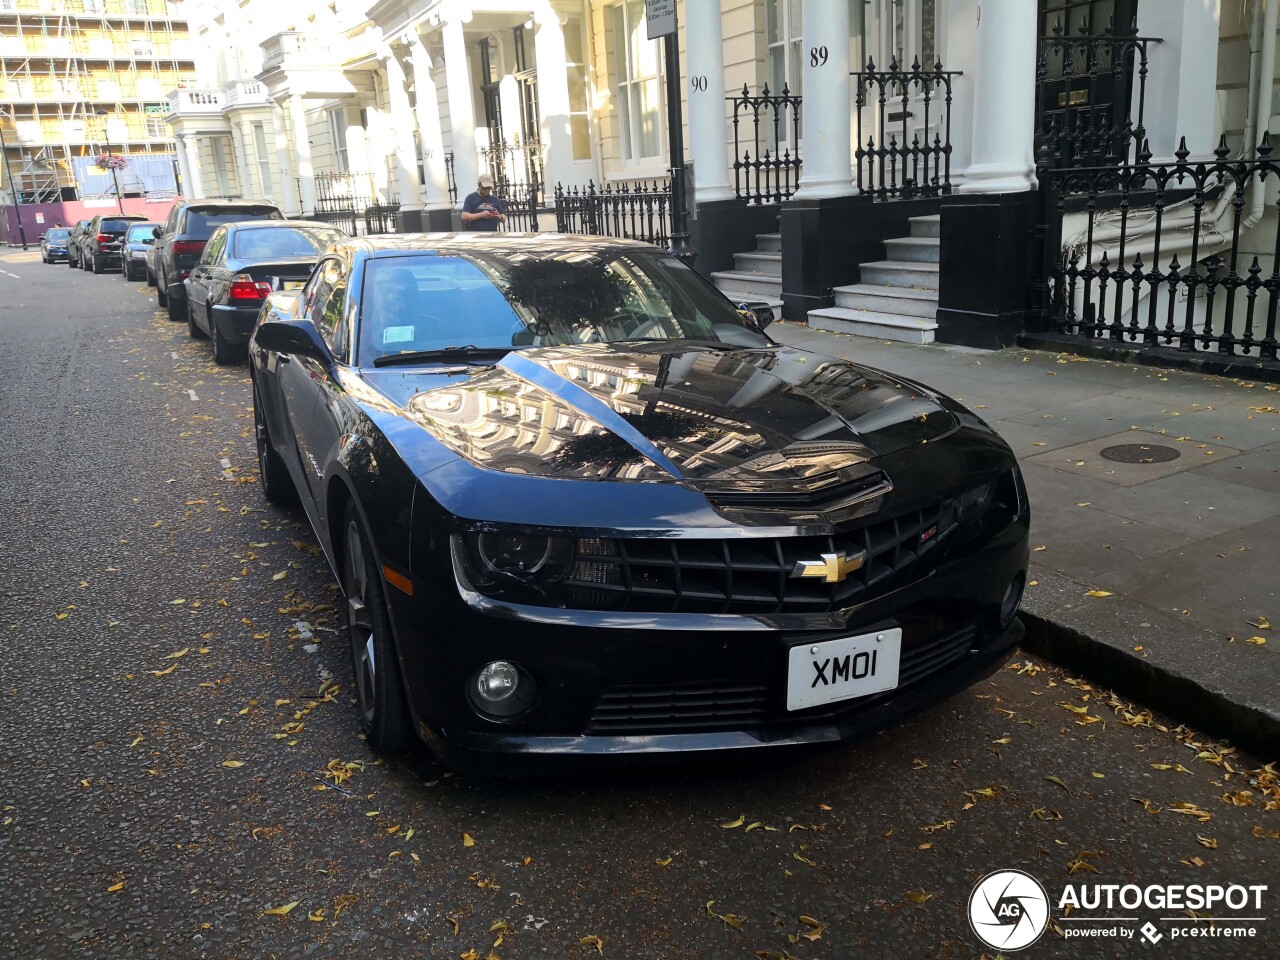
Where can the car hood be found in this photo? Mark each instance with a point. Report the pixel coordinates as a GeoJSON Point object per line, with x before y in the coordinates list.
{"type": "Point", "coordinates": [674, 411]}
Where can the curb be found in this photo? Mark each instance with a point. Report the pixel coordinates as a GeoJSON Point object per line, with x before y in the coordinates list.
{"type": "Point", "coordinates": [1229, 690]}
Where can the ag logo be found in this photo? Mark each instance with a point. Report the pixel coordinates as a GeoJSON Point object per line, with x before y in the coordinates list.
{"type": "Point", "coordinates": [1008, 910]}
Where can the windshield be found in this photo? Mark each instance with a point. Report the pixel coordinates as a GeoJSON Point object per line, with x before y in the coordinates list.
{"type": "Point", "coordinates": [202, 221]}
{"type": "Point", "coordinates": [263, 243]}
{"type": "Point", "coordinates": [58, 233]}
{"type": "Point", "coordinates": [429, 302]}
{"type": "Point", "coordinates": [115, 226]}
{"type": "Point", "coordinates": [141, 231]}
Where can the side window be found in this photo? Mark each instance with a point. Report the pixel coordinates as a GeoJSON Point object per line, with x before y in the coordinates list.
{"type": "Point", "coordinates": [316, 291]}
{"type": "Point", "coordinates": [171, 224]}
{"type": "Point", "coordinates": [326, 312]}
{"type": "Point", "coordinates": [213, 250]}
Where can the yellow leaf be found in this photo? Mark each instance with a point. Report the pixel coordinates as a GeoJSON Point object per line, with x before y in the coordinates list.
{"type": "Point", "coordinates": [1059, 782]}
{"type": "Point", "coordinates": [136, 740]}
{"type": "Point", "coordinates": [803, 859]}
{"type": "Point", "coordinates": [373, 813]}
{"type": "Point", "coordinates": [344, 901]}
{"type": "Point", "coordinates": [115, 887]}
{"type": "Point", "coordinates": [664, 863]}
{"type": "Point", "coordinates": [409, 834]}
{"type": "Point", "coordinates": [753, 826]}
{"type": "Point", "coordinates": [1257, 641]}
{"type": "Point", "coordinates": [1099, 776]}
{"type": "Point", "coordinates": [178, 601]}
{"type": "Point", "coordinates": [165, 672]}
{"type": "Point", "coordinates": [280, 576]}
{"type": "Point", "coordinates": [1098, 593]}
{"type": "Point", "coordinates": [1209, 842]}
{"type": "Point", "coordinates": [63, 616]}
{"type": "Point", "coordinates": [178, 654]}
{"type": "Point", "coordinates": [734, 823]}
{"type": "Point", "coordinates": [1262, 623]}
{"type": "Point", "coordinates": [593, 941]}
{"type": "Point", "coordinates": [1004, 741]}
{"type": "Point", "coordinates": [824, 806]}
{"type": "Point", "coordinates": [468, 840]}
{"type": "Point", "coordinates": [470, 955]}
{"type": "Point", "coordinates": [233, 763]}
{"type": "Point", "coordinates": [919, 895]}
{"type": "Point", "coordinates": [281, 910]}
{"type": "Point", "coordinates": [282, 703]}
{"type": "Point", "coordinates": [317, 915]}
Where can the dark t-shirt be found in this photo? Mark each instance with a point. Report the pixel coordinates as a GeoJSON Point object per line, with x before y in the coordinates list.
{"type": "Point", "coordinates": [478, 204]}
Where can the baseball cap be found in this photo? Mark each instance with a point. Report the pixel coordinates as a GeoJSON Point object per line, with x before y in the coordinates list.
{"type": "Point", "coordinates": [485, 180]}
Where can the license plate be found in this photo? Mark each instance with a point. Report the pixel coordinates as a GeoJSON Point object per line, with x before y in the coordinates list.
{"type": "Point", "coordinates": [292, 284]}
{"type": "Point", "coordinates": [821, 673]}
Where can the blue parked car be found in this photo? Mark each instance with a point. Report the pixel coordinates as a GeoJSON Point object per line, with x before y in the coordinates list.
{"type": "Point", "coordinates": [53, 244]}
{"type": "Point", "coordinates": [137, 241]}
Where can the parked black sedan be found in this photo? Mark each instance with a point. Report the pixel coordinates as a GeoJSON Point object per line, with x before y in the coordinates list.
{"type": "Point", "coordinates": [53, 244]}
{"type": "Point", "coordinates": [241, 264]}
{"type": "Point", "coordinates": [137, 241]}
{"type": "Point", "coordinates": [579, 506]}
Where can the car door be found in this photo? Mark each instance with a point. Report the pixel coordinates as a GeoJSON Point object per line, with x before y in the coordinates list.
{"type": "Point", "coordinates": [299, 381]}
{"type": "Point", "coordinates": [321, 428]}
{"type": "Point", "coordinates": [204, 277]}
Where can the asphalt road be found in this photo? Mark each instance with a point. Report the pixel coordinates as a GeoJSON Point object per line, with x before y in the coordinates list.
{"type": "Point", "coordinates": [174, 698]}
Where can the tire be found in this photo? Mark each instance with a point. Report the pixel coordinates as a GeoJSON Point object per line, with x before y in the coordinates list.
{"type": "Point", "coordinates": [195, 332]}
{"type": "Point", "coordinates": [70, 261]}
{"type": "Point", "coordinates": [178, 311]}
{"type": "Point", "coordinates": [277, 485]}
{"type": "Point", "coordinates": [384, 709]}
{"type": "Point", "coordinates": [162, 298]}
{"type": "Point", "coordinates": [95, 264]}
{"type": "Point", "coordinates": [224, 354]}
{"type": "Point", "coordinates": [151, 277]}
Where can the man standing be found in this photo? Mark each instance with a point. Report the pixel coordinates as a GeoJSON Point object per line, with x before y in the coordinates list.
{"type": "Point", "coordinates": [483, 210]}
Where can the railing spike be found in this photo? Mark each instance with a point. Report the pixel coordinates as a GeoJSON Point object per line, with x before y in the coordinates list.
{"type": "Point", "coordinates": [915, 63]}
{"type": "Point", "coordinates": [1057, 26]}
{"type": "Point", "coordinates": [1182, 152]}
{"type": "Point", "coordinates": [764, 91]}
{"type": "Point", "coordinates": [1264, 146]}
{"type": "Point", "coordinates": [1222, 151]}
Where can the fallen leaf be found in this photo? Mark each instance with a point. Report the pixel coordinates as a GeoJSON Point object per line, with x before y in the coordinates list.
{"type": "Point", "coordinates": [177, 654]}
{"type": "Point", "coordinates": [918, 895]}
{"type": "Point", "coordinates": [233, 763]}
{"type": "Point", "coordinates": [317, 915]}
{"type": "Point", "coordinates": [1209, 842]}
{"type": "Point", "coordinates": [280, 576]}
{"type": "Point", "coordinates": [1059, 782]}
{"type": "Point", "coordinates": [664, 863]}
{"type": "Point", "coordinates": [165, 672]}
{"type": "Point", "coordinates": [734, 823]}
{"type": "Point", "coordinates": [116, 887]}
{"type": "Point", "coordinates": [344, 901]}
{"type": "Point", "coordinates": [1098, 593]}
{"type": "Point", "coordinates": [281, 910]}
{"type": "Point", "coordinates": [593, 941]}
{"type": "Point", "coordinates": [1257, 641]}
{"type": "Point", "coordinates": [468, 840]}
{"type": "Point", "coordinates": [814, 935]}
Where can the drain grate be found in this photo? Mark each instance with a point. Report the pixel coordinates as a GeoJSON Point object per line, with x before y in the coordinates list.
{"type": "Point", "coordinates": [1140, 453]}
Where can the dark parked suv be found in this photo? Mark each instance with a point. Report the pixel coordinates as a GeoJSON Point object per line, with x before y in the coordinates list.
{"type": "Point", "coordinates": [181, 240]}
{"type": "Point", "coordinates": [73, 243]}
{"type": "Point", "coordinates": [100, 246]}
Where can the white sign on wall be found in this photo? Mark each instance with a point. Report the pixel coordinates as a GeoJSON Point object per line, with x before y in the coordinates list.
{"type": "Point", "coordinates": [659, 18]}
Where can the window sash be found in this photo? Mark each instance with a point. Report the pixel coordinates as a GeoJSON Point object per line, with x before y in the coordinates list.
{"type": "Point", "coordinates": [637, 77]}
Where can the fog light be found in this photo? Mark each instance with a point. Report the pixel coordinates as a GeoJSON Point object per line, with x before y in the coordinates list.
{"type": "Point", "coordinates": [498, 681]}
{"type": "Point", "coordinates": [1012, 597]}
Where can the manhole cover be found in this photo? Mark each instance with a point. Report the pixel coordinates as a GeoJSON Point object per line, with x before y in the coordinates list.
{"type": "Point", "coordinates": [1140, 453]}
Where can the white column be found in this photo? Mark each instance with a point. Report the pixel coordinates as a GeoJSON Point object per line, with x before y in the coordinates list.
{"type": "Point", "coordinates": [184, 167]}
{"type": "Point", "coordinates": [708, 133]}
{"type": "Point", "coordinates": [1178, 100]}
{"type": "Point", "coordinates": [1004, 99]}
{"type": "Point", "coordinates": [428, 110]}
{"type": "Point", "coordinates": [553, 98]}
{"type": "Point", "coordinates": [302, 150]}
{"type": "Point", "coordinates": [251, 187]}
{"type": "Point", "coordinates": [196, 189]}
{"type": "Point", "coordinates": [462, 109]}
{"type": "Point", "coordinates": [825, 121]}
{"type": "Point", "coordinates": [240, 156]}
{"type": "Point", "coordinates": [405, 162]}
{"type": "Point", "coordinates": [287, 198]}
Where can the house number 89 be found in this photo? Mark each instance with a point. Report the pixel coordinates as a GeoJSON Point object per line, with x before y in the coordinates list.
{"type": "Point", "coordinates": [817, 56]}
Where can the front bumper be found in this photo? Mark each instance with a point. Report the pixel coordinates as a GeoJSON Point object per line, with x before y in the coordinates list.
{"type": "Point", "coordinates": [952, 638]}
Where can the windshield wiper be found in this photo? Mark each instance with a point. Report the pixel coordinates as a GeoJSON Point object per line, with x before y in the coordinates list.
{"type": "Point", "coordinates": [695, 341]}
{"type": "Point", "coordinates": [466, 352]}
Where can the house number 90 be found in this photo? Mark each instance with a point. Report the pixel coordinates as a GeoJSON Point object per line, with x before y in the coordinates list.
{"type": "Point", "coordinates": [698, 83]}
{"type": "Point", "coordinates": [817, 56]}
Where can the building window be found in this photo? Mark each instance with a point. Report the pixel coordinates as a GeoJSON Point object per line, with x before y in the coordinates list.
{"type": "Point", "coordinates": [157, 129]}
{"type": "Point", "coordinates": [143, 48]}
{"type": "Point", "coordinates": [338, 133]}
{"type": "Point", "coordinates": [264, 158]}
{"type": "Point", "coordinates": [579, 116]}
{"type": "Point", "coordinates": [638, 84]}
{"type": "Point", "coordinates": [136, 8]}
{"type": "Point", "coordinates": [783, 35]}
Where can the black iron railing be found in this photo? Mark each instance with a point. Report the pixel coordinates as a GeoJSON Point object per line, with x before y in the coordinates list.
{"type": "Point", "coordinates": [906, 105]}
{"type": "Point", "coordinates": [638, 211]}
{"type": "Point", "coordinates": [516, 167]}
{"type": "Point", "coordinates": [766, 144]}
{"type": "Point", "coordinates": [352, 201]}
{"type": "Point", "coordinates": [522, 202]}
{"type": "Point", "coordinates": [1160, 258]}
{"type": "Point", "coordinates": [1085, 101]}
{"type": "Point", "coordinates": [450, 178]}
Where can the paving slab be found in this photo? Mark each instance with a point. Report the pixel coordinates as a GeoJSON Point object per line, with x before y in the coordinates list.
{"type": "Point", "coordinates": [1186, 551]}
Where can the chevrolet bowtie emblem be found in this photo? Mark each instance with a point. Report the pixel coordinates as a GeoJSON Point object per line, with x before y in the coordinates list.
{"type": "Point", "coordinates": [832, 568]}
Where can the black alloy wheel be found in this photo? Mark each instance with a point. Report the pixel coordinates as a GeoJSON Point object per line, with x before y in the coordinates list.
{"type": "Point", "coordinates": [277, 485]}
{"type": "Point", "coordinates": [379, 690]}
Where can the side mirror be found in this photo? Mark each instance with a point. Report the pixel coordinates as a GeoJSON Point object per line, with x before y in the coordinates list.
{"type": "Point", "coordinates": [156, 232]}
{"type": "Point", "coordinates": [297, 337]}
{"type": "Point", "coordinates": [757, 313]}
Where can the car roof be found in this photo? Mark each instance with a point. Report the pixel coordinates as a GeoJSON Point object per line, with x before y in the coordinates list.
{"type": "Point", "coordinates": [479, 241]}
{"type": "Point", "coordinates": [275, 224]}
{"type": "Point", "coordinates": [213, 202]}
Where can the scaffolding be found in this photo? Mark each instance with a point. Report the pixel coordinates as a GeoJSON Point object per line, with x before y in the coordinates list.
{"type": "Point", "coordinates": [83, 77]}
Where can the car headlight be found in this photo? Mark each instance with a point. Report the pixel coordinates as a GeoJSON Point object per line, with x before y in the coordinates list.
{"type": "Point", "coordinates": [974, 502]}
{"type": "Point", "coordinates": [529, 557]}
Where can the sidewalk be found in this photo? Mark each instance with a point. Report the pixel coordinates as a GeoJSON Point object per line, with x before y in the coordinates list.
{"type": "Point", "coordinates": [1183, 532]}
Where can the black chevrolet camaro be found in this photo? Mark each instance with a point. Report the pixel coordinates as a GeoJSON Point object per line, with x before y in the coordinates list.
{"type": "Point", "coordinates": [580, 504]}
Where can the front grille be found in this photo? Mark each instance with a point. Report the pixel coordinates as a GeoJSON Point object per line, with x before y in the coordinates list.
{"type": "Point", "coordinates": [754, 575]}
{"type": "Point", "coordinates": [707, 707]}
